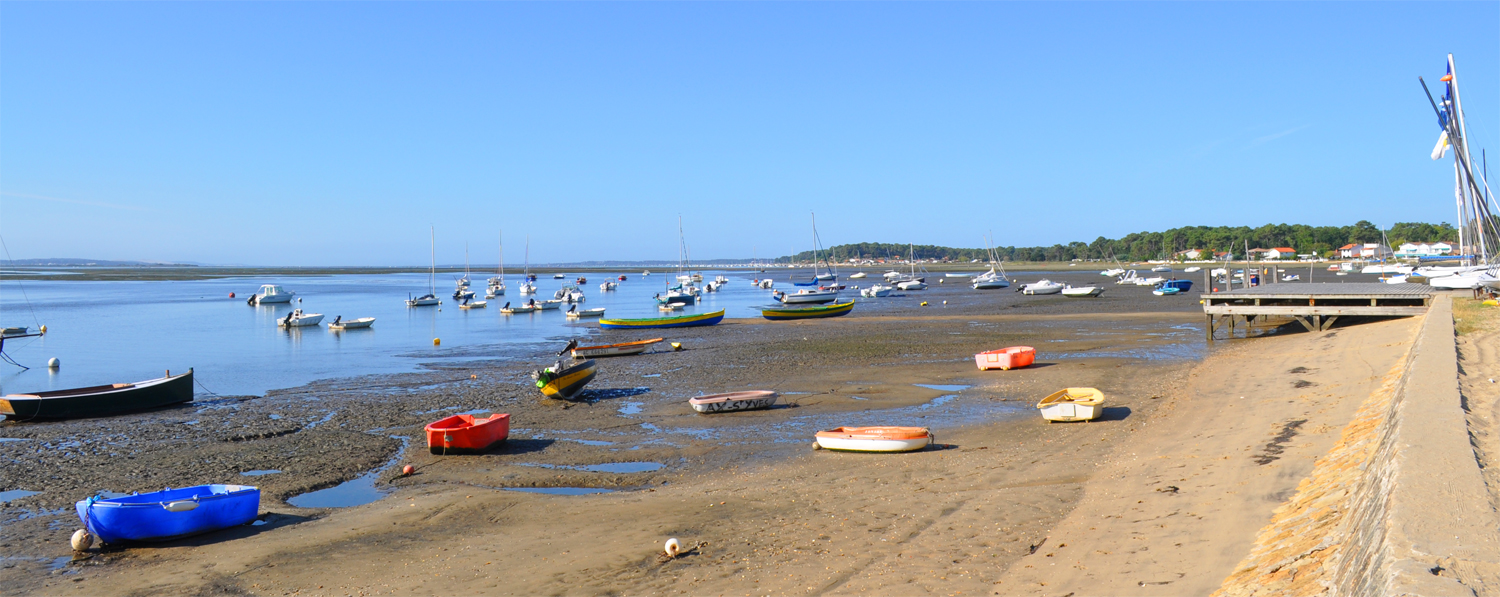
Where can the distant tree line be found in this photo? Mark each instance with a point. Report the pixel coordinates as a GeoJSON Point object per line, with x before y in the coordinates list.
{"type": "Point", "coordinates": [1139, 246]}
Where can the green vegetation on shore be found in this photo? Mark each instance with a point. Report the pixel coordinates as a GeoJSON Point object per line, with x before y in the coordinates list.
{"type": "Point", "coordinates": [1140, 246]}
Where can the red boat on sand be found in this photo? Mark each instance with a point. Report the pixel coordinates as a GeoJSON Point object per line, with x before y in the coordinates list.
{"type": "Point", "coordinates": [1014, 357]}
{"type": "Point", "coordinates": [467, 434]}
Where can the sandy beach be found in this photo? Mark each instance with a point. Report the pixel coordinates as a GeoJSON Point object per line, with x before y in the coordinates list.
{"type": "Point", "coordinates": [1162, 496]}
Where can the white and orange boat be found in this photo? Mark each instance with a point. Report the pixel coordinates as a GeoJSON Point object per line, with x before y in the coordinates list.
{"type": "Point", "coordinates": [1006, 358]}
{"type": "Point", "coordinates": [614, 350]}
{"type": "Point", "coordinates": [875, 439]}
{"type": "Point", "coordinates": [733, 401]}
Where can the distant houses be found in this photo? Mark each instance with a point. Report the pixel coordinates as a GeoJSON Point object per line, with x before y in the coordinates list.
{"type": "Point", "coordinates": [1419, 250]}
{"type": "Point", "coordinates": [1366, 251]}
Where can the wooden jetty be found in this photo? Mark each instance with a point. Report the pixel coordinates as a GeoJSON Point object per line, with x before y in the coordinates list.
{"type": "Point", "coordinates": [1315, 305]}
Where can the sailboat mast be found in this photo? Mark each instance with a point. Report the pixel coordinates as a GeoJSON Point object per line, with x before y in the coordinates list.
{"type": "Point", "coordinates": [432, 265]}
{"type": "Point", "coordinates": [502, 256]}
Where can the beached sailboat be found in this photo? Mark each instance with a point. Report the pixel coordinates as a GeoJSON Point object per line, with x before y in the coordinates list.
{"type": "Point", "coordinates": [995, 278]}
{"type": "Point", "coordinates": [429, 299]}
{"type": "Point", "coordinates": [527, 282]}
{"type": "Point", "coordinates": [684, 293]}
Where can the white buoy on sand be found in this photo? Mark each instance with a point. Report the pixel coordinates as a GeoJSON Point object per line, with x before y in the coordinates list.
{"type": "Point", "coordinates": [53, 363]}
{"type": "Point", "coordinates": [82, 540]}
{"type": "Point", "coordinates": [673, 547]}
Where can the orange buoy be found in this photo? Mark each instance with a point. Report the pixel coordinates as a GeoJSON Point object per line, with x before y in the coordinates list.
{"type": "Point", "coordinates": [231, 295]}
{"type": "Point", "coordinates": [407, 470]}
{"type": "Point", "coordinates": [437, 341]}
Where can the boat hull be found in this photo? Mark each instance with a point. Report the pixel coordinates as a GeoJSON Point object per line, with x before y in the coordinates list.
{"type": "Point", "coordinates": [1072, 404]}
{"type": "Point", "coordinates": [734, 401]}
{"type": "Point", "coordinates": [682, 321]}
{"type": "Point", "coordinates": [169, 514]}
{"type": "Point", "coordinates": [1014, 357]}
{"type": "Point", "coordinates": [467, 434]}
{"type": "Point", "coordinates": [875, 439]}
{"type": "Point", "coordinates": [353, 324]}
{"type": "Point", "coordinates": [569, 382]}
{"type": "Point", "coordinates": [837, 310]}
{"type": "Point", "coordinates": [1084, 292]}
{"type": "Point", "coordinates": [614, 350]}
{"type": "Point", "coordinates": [99, 401]}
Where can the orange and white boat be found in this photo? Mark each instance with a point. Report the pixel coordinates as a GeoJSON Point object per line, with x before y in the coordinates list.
{"type": "Point", "coordinates": [1006, 358]}
{"type": "Point", "coordinates": [467, 434]}
{"type": "Point", "coordinates": [1072, 404]}
{"type": "Point", "coordinates": [614, 350]}
{"type": "Point", "coordinates": [875, 439]}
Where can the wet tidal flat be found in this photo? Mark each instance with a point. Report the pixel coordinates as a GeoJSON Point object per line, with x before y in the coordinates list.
{"type": "Point", "coordinates": [320, 449]}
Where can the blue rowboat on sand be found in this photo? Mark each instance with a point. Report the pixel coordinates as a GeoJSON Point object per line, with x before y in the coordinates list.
{"type": "Point", "coordinates": [681, 321]}
{"type": "Point", "coordinates": [169, 513]}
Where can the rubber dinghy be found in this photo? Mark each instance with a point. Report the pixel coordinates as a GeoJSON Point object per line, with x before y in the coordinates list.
{"type": "Point", "coordinates": [875, 439]}
{"type": "Point", "coordinates": [733, 401]}
{"type": "Point", "coordinates": [467, 434]}
{"type": "Point", "coordinates": [169, 513]}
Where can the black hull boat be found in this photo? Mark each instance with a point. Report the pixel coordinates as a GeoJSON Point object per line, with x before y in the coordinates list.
{"type": "Point", "coordinates": [99, 401]}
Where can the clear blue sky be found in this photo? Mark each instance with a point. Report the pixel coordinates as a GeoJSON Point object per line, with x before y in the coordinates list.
{"type": "Point", "coordinates": [281, 133]}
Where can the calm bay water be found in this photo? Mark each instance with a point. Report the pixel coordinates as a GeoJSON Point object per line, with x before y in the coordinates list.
{"type": "Point", "coordinates": [114, 332]}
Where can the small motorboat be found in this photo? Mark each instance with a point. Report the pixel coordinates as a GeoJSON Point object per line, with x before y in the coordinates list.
{"type": "Point", "coordinates": [1072, 404]}
{"type": "Point", "coordinates": [271, 294]}
{"type": "Point", "coordinates": [1014, 357]}
{"type": "Point", "coordinates": [1291, 277]}
{"type": "Point", "coordinates": [614, 350]}
{"type": "Point", "coordinates": [646, 273]}
{"type": "Point", "coordinates": [1193, 269]}
{"type": "Point", "coordinates": [807, 296]}
{"type": "Point", "coordinates": [352, 324]}
{"type": "Point", "coordinates": [912, 285]}
{"type": "Point", "coordinates": [298, 319]}
{"type": "Point", "coordinates": [1161, 268]}
{"type": "Point", "coordinates": [875, 439]}
{"type": "Point", "coordinates": [20, 331]}
{"type": "Point", "coordinates": [669, 307]}
{"type": "Point", "coordinates": [1082, 291]}
{"type": "Point", "coordinates": [467, 434]}
{"type": "Point", "coordinates": [1042, 287]}
{"type": "Point", "coordinates": [463, 294]}
{"type": "Point", "coordinates": [834, 310]}
{"type": "Point", "coordinates": [564, 383]}
{"type": "Point", "coordinates": [765, 284]}
{"type": "Point", "coordinates": [169, 513]}
{"type": "Point", "coordinates": [473, 305]}
{"type": "Point", "coordinates": [528, 288]}
{"type": "Point", "coordinates": [877, 290]}
{"type": "Point", "coordinates": [581, 281]}
{"type": "Point", "coordinates": [732, 401]}
{"type": "Point", "coordinates": [608, 286]}
{"type": "Point", "coordinates": [548, 305]}
{"type": "Point", "coordinates": [679, 321]}
{"type": "Point", "coordinates": [857, 276]}
{"type": "Point", "coordinates": [575, 313]}
{"type": "Point", "coordinates": [509, 310]}
{"type": "Point", "coordinates": [558, 277]}
{"type": "Point", "coordinates": [99, 401]}
{"type": "Point", "coordinates": [1167, 291]}
{"type": "Point", "coordinates": [621, 278]}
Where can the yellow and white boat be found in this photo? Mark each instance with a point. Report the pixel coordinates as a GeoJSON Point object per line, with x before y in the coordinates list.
{"type": "Point", "coordinates": [1072, 404]}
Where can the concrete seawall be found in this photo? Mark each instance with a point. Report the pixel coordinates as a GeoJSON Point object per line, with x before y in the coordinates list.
{"type": "Point", "coordinates": [1398, 506]}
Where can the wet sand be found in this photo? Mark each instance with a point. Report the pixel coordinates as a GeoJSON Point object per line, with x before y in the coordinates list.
{"type": "Point", "coordinates": [776, 516]}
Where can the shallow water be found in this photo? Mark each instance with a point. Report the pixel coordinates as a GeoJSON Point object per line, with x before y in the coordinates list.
{"type": "Point", "coordinates": [259, 473]}
{"type": "Point", "coordinates": [97, 329]}
{"type": "Point", "coordinates": [16, 494]}
{"type": "Point", "coordinates": [560, 490]}
{"type": "Point", "coordinates": [358, 491]}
